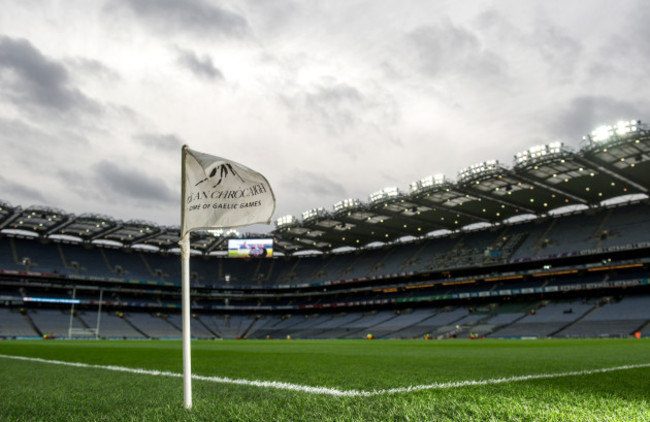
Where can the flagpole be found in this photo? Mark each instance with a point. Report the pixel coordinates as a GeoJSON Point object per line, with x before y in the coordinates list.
{"type": "Point", "coordinates": [187, 356]}
{"type": "Point", "coordinates": [204, 208]}
{"type": "Point", "coordinates": [185, 288]}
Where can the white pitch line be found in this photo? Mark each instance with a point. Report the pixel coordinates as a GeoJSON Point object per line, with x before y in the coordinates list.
{"type": "Point", "coordinates": [333, 391]}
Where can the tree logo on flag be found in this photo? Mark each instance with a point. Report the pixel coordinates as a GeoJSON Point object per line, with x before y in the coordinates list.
{"type": "Point", "coordinates": [223, 170]}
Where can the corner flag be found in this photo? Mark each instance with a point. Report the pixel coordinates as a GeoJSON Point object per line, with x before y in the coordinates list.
{"type": "Point", "coordinates": [219, 193]}
{"type": "Point", "coordinates": [215, 194]}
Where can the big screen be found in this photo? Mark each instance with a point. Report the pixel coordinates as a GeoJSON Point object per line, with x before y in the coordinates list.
{"type": "Point", "coordinates": [250, 248]}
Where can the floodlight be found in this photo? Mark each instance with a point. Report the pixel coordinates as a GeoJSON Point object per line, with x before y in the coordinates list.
{"type": "Point", "coordinates": [602, 133]}
{"type": "Point", "coordinates": [346, 204]}
{"type": "Point", "coordinates": [385, 193]}
{"type": "Point", "coordinates": [287, 220]}
{"type": "Point", "coordinates": [538, 151]}
{"type": "Point", "coordinates": [624, 127]}
{"type": "Point", "coordinates": [224, 233]}
{"type": "Point", "coordinates": [478, 169]}
{"type": "Point", "coordinates": [429, 181]}
{"type": "Point", "coordinates": [312, 213]}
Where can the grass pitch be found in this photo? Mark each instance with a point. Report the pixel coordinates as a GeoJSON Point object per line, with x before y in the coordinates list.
{"type": "Point", "coordinates": [35, 390]}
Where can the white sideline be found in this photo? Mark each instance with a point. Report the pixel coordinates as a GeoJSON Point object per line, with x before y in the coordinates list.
{"type": "Point", "coordinates": [333, 391]}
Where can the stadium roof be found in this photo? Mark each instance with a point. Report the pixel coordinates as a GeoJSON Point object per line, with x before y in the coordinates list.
{"type": "Point", "coordinates": [613, 161]}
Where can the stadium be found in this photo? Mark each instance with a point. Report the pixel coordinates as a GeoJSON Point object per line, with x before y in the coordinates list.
{"type": "Point", "coordinates": [317, 211]}
{"type": "Point", "coordinates": [554, 247]}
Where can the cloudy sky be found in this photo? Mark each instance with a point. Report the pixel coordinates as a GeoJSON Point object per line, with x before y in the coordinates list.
{"type": "Point", "coordinates": [328, 99]}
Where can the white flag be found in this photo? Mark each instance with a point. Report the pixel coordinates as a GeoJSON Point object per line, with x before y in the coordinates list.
{"type": "Point", "coordinates": [219, 193]}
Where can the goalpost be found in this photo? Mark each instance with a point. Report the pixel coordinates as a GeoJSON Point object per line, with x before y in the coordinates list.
{"type": "Point", "coordinates": [83, 331]}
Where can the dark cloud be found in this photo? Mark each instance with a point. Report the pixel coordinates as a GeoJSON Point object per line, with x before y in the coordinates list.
{"type": "Point", "coordinates": [30, 79]}
{"type": "Point", "coordinates": [202, 67]}
{"type": "Point", "coordinates": [315, 184]}
{"type": "Point", "coordinates": [21, 192]}
{"type": "Point", "coordinates": [584, 113]}
{"type": "Point", "coordinates": [132, 185]}
{"type": "Point", "coordinates": [337, 106]}
{"type": "Point", "coordinates": [444, 49]}
{"type": "Point", "coordinates": [168, 142]}
{"type": "Point", "coordinates": [561, 53]}
{"type": "Point", "coordinates": [93, 69]}
{"type": "Point", "coordinates": [79, 183]}
{"type": "Point", "coordinates": [28, 144]}
{"type": "Point", "coordinates": [637, 34]}
{"type": "Point", "coordinates": [194, 16]}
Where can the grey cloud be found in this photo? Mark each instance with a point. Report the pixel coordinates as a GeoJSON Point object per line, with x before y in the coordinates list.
{"type": "Point", "coordinates": [316, 184]}
{"type": "Point", "coordinates": [627, 50]}
{"type": "Point", "coordinates": [79, 183]}
{"type": "Point", "coordinates": [448, 49]}
{"type": "Point", "coordinates": [168, 142]}
{"type": "Point", "coordinates": [32, 79]}
{"type": "Point", "coordinates": [28, 145]}
{"type": "Point", "coordinates": [560, 52]}
{"type": "Point", "coordinates": [22, 192]}
{"type": "Point", "coordinates": [585, 113]}
{"type": "Point", "coordinates": [638, 34]}
{"type": "Point", "coordinates": [132, 185]}
{"type": "Point", "coordinates": [200, 66]}
{"type": "Point", "coordinates": [339, 108]}
{"type": "Point", "coordinates": [93, 68]}
{"type": "Point", "coordinates": [335, 106]}
{"type": "Point", "coordinates": [195, 16]}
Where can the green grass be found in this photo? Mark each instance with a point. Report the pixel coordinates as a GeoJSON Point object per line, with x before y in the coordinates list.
{"type": "Point", "coordinates": [40, 391]}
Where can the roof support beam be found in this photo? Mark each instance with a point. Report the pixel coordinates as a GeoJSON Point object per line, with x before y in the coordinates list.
{"type": "Point", "coordinates": [543, 185]}
{"type": "Point", "coordinates": [68, 221]}
{"type": "Point", "coordinates": [11, 218]}
{"type": "Point", "coordinates": [482, 195]}
{"type": "Point", "coordinates": [106, 232]}
{"type": "Point", "coordinates": [439, 207]}
{"type": "Point", "coordinates": [605, 168]}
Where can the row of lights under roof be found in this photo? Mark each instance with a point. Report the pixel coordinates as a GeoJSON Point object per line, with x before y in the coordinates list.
{"type": "Point", "coordinates": [386, 193]}
{"type": "Point", "coordinates": [346, 204]}
{"type": "Point", "coordinates": [600, 134]}
{"type": "Point", "coordinates": [315, 212]}
{"type": "Point", "coordinates": [538, 151]}
{"type": "Point", "coordinates": [33, 214]}
{"type": "Point", "coordinates": [478, 169]}
{"type": "Point", "coordinates": [427, 182]}
{"type": "Point", "coordinates": [606, 132]}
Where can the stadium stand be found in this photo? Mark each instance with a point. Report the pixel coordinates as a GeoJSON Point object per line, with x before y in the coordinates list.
{"type": "Point", "coordinates": [612, 318]}
{"type": "Point", "coordinates": [13, 323]}
{"type": "Point", "coordinates": [51, 321]}
{"type": "Point", "coordinates": [547, 320]}
{"type": "Point", "coordinates": [153, 326]}
{"type": "Point", "coordinates": [401, 321]}
{"type": "Point", "coordinates": [115, 325]}
{"type": "Point", "coordinates": [556, 246]}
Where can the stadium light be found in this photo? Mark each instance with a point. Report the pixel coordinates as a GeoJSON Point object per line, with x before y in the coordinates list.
{"type": "Point", "coordinates": [314, 213]}
{"type": "Point", "coordinates": [625, 127]}
{"type": "Point", "coordinates": [427, 182]}
{"type": "Point", "coordinates": [604, 133]}
{"type": "Point", "coordinates": [386, 193]}
{"type": "Point", "coordinates": [537, 152]}
{"type": "Point", "coordinates": [346, 204]}
{"type": "Point", "coordinates": [287, 220]}
{"type": "Point", "coordinates": [479, 169]}
{"type": "Point", "coordinates": [224, 233]}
